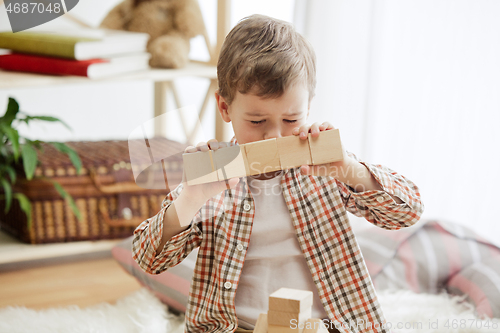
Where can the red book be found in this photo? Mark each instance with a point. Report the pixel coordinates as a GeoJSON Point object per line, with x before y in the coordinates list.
{"type": "Point", "coordinates": [93, 68]}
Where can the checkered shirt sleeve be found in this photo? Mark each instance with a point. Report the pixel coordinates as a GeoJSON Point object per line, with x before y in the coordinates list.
{"type": "Point", "coordinates": [378, 207]}
{"type": "Point", "coordinates": [147, 237]}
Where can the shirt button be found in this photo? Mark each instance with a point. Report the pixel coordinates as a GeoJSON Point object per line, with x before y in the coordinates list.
{"type": "Point", "coordinates": [246, 207]}
{"type": "Point", "coordinates": [239, 247]}
{"type": "Point", "coordinates": [228, 285]}
{"type": "Point", "coordinates": [380, 199]}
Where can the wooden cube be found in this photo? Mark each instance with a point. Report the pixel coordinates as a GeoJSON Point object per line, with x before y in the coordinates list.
{"type": "Point", "coordinates": [281, 318]}
{"type": "Point", "coordinates": [315, 325]}
{"type": "Point", "coordinates": [262, 156]}
{"type": "Point", "coordinates": [293, 152]}
{"type": "Point", "coordinates": [285, 329]}
{"type": "Point", "coordinates": [199, 168]}
{"type": "Point", "coordinates": [326, 148]}
{"type": "Point", "coordinates": [261, 324]}
{"type": "Point", "coordinates": [290, 300]}
{"type": "Point", "coordinates": [230, 162]}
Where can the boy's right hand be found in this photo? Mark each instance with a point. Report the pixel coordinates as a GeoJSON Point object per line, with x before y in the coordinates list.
{"type": "Point", "coordinates": [203, 192]}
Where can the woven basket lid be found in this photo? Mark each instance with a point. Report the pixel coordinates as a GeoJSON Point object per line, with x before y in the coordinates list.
{"type": "Point", "coordinates": [105, 156]}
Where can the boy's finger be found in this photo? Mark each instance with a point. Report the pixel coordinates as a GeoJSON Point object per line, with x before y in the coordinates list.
{"type": "Point", "coordinates": [304, 169]}
{"type": "Point", "coordinates": [213, 144]}
{"type": "Point", "coordinates": [202, 146]}
{"type": "Point", "coordinates": [191, 149]}
{"type": "Point", "coordinates": [315, 130]}
{"type": "Point", "coordinates": [304, 130]}
{"type": "Point", "coordinates": [328, 126]}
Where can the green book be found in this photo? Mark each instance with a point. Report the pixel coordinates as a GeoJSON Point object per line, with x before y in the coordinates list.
{"type": "Point", "coordinates": [113, 42]}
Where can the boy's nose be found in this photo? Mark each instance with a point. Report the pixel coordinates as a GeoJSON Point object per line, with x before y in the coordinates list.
{"type": "Point", "coordinates": [273, 134]}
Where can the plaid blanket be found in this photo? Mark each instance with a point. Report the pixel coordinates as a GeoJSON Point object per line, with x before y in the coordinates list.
{"type": "Point", "coordinates": [435, 256]}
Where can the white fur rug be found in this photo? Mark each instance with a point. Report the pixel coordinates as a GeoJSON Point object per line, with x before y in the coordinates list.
{"type": "Point", "coordinates": [142, 312]}
{"type": "Point", "coordinates": [138, 312]}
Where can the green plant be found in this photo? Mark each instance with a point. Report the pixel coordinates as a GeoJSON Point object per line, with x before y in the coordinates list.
{"type": "Point", "coordinates": [14, 147]}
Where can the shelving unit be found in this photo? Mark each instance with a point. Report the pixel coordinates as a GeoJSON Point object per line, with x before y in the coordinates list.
{"type": "Point", "coordinates": [163, 78]}
{"type": "Point", "coordinates": [163, 83]}
{"type": "Point", "coordinates": [14, 252]}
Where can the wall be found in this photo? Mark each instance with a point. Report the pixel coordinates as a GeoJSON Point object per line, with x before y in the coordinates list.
{"type": "Point", "coordinates": [414, 85]}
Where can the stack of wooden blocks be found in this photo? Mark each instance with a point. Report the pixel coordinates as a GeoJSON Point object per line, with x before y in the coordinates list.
{"type": "Point", "coordinates": [290, 311]}
{"type": "Point", "coordinates": [262, 156]}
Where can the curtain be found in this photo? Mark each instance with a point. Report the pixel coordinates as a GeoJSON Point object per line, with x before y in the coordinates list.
{"type": "Point", "coordinates": [414, 85]}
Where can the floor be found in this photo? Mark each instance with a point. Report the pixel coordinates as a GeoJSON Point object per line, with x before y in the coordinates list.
{"type": "Point", "coordinates": [81, 283]}
{"type": "Point", "coordinates": [52, 275]}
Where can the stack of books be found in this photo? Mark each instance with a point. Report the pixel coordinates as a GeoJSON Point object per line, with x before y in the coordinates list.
{"type": "Point", "coordinates": [93, 53]}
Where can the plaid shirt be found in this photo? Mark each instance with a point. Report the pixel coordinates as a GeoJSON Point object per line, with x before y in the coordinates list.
{"type": "Point", "coordinates": [318, 207]}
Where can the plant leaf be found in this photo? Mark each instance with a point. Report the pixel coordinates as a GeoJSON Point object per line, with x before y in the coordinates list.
{"type": "Point", "coordinates": [30, 159]}
{"type": "Point", "coordinates": [7, 188]}
{"type": "Point", "coordinates": [13, 136]}
{"type": "Point", "coordinates": [11, 113]}
{"type": "Point", "coordinates": [69, 199]}
{"type": "Point", "coordinates": [73, 156]}
{"type": "Point", "coordinates": [10, 170]}
{"type": "Point", "coordinates": [45, 118]}
{"type": "Point", "coordinates": [25, 205]}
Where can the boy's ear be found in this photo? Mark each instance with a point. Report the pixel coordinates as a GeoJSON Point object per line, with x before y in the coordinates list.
{"type": "Point", "coordinates": [222, 106]}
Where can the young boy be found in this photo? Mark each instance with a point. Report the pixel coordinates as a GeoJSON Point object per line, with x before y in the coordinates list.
{"type": "Point", "coordinates": [281, 229]}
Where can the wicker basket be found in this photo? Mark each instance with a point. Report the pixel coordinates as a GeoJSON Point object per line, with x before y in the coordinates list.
{"type": "Point", "coordinates": [110, 201]}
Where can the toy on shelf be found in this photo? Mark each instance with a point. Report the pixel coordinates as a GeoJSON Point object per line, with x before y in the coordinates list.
{"type": "Point", "coordinates": [289, 312]}
{"type": "Point", "coordinates": [262, 156]}
{"type": "Point", "coordinates": [170, 24]}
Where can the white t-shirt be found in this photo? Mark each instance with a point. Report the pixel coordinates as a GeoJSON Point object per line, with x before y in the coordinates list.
{"type": "Point", "coordinates": [274, 258]}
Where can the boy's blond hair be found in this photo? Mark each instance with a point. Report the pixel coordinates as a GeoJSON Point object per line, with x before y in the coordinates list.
{"type": "Point", "coordinates": [264, 56]}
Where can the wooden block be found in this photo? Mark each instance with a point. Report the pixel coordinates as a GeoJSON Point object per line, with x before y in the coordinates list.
{"type": "Point", "coordinates": [293, 151]}
{"type": "Point", "coordinates": [199, 168]}
{"type": "Point", "coordinates": [261, 324]}
{"type": "Point", "coordinates": [281, 318]}
{"type": "Point", "coordinates": [231, 162]}
{"type": "Point", "coordinates": [326, 148]}
{"type": "Point", "coordinates": [285, 329]}
{"type": "Point", "coordinates": [315, 325]}
{"type": "Point", "coordinates": [290, 300]}
{"type": "Point", "coordinates": [262, 156]}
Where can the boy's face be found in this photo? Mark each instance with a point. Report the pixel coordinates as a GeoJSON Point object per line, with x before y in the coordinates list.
{"type": "Point", "coordinates": [256, 118]}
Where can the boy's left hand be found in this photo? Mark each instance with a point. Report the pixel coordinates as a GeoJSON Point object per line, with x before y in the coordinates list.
{"type": "Point", "coordinates": [330, 169]}
{"type": "Point", "coordinates": [348, 171]}
{"type": "Point", "coordinates": [314, 129]}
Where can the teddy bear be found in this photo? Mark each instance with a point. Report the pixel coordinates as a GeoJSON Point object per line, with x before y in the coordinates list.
{"type": "Point", "coordinates": [170, 24]}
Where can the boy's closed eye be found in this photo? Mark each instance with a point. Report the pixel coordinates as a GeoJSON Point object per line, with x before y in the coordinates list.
{"type": "Point", "coordinates": [256, 122]}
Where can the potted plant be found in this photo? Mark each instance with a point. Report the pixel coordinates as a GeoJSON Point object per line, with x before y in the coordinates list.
{"type": "Point", "coordinates": [19, 158]}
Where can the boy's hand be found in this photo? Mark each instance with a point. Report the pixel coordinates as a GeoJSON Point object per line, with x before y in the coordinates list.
{"type": "Point", "coordinates": [203, 192]}
{"type": "Point", "coordinates": [329, 169]}
{"type": "Point", "coordinates": [314, 129]}
{"type": "Point", "coordinates": [348, 171]}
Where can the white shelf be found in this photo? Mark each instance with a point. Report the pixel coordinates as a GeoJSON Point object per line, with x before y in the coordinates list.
{"type": "Point", "coordinates": [10, 80]}
{"type": "Point", "coordinates": [13, 251]}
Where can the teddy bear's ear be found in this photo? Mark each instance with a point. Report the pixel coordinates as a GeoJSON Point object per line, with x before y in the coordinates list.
{"type": "Point", "coordinates": [188, 19]}
{"type": "Point", "coordinates": [118, 17]}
